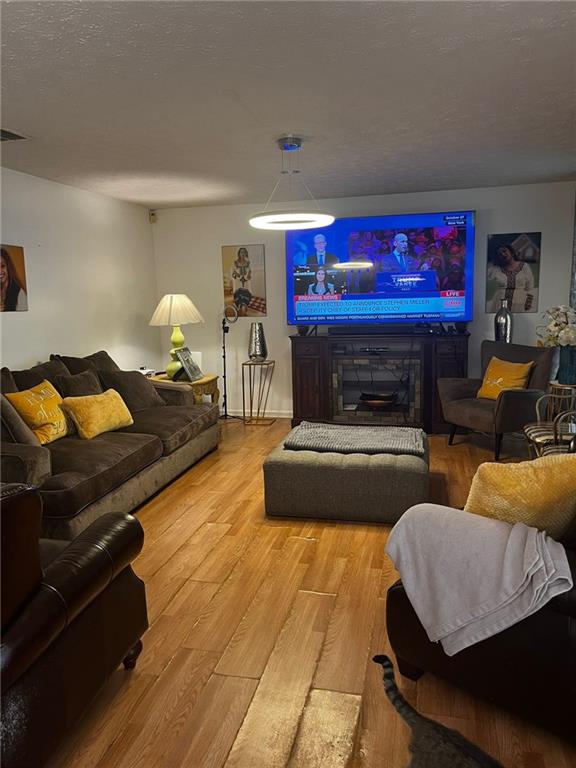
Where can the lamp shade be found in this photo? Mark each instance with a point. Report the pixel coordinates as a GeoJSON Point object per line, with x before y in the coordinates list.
{"type": "Point", "coordinates": [175, 309]}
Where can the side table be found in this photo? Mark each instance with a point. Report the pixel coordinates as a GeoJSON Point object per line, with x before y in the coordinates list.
{"type": "Point", "coordinates": [207, 385]}
{"type": "Point", "coordinates": [564, 399]}
{"type": "Point", "coordinates": [256, 381]}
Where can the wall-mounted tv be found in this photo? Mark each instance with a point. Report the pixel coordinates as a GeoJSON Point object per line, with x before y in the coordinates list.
{"type": "Point", "coordinates": [409, 268]}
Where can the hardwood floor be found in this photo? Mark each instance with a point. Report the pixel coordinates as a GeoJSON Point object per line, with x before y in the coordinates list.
{"type": "Point", "coordinates": [262, 633]}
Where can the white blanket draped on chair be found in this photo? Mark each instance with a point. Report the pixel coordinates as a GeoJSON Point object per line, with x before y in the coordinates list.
{"type": "Point", "coordinates": [470, 577]}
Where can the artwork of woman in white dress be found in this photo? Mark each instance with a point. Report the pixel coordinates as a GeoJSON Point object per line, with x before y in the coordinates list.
{"type": "Point", "coordinates": [244, 279]}
{"type": "Point", "coordinates": [513, 271]}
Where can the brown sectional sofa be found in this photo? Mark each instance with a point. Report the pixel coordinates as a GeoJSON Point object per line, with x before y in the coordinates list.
{"type": "Point", "coordinates": [80, 480]}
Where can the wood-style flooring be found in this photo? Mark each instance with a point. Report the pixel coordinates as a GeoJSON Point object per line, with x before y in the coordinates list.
{"type": "Point", "coordinates": [262, 631]}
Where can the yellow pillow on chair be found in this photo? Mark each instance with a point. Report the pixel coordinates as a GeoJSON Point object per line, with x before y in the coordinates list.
{"type": "Point", "coordinates": [539, 493]}
{"type": "Point", "coordinates": [95, 414]}
{"type": "Point", "coordinates": [501, 375]}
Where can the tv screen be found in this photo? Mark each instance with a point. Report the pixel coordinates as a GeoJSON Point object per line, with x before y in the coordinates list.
{"type": "Point", "coordinates": [409, 268]}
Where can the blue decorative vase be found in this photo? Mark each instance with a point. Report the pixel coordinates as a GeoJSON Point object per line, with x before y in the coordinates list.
{"type": "Point", "coordinates": [567, 367]}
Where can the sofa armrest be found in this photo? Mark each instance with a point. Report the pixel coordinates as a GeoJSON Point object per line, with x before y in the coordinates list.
{"type": "Point", "coordinates": [174, 394]}
{"type": "Point", "coordinates": [457, 389]}
{"type": "Point", "coordinates": [71, 582]}
{"type": "Point", "coordinates": [515, 408]}
{"type": "Point", "coordinates": [20, 520]}
{"type": "Point", "coordinates": [28, 464]}
{"type": "Point", "coordinates": [566, 602]}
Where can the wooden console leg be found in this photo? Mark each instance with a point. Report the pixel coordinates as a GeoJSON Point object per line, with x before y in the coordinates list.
{"type": "Point", "coordinates": [132, 655]}
{"type": "Point", "coordinates": [407, 670]}
{"type": "Point", "coordinates": [453, 429]}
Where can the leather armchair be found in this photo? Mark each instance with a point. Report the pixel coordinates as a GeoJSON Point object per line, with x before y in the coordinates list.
{"type": "Point", "coordinates": [71, 613]}
{"type": "Point", "coordinates": [529, 668]}
{"type": "Point", "coordinates": [514, 408]}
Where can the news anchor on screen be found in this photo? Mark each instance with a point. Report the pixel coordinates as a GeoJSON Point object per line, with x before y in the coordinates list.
{"type": "Point", "coordinates": [320, 258]}
{"type": "Point", "coordinates": [320, 286]}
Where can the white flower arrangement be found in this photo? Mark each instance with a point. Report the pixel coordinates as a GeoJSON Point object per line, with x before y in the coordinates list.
{"type": "Point", "coordinates": [560, 330]}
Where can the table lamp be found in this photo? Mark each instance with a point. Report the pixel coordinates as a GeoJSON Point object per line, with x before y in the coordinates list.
{"type": "Point", "coordinates": [175, 309]}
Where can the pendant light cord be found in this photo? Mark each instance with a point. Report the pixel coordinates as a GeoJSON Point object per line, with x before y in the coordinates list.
{"type": "Point", "coordinates": [272, 193]}
{"type": "Point", "coordinates": [310, 193]}
{"type": "Point", "coordinates": [290, 172]}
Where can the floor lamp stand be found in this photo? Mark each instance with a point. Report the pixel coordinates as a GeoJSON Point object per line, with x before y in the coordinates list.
{"type": "Point", "coordinates": [225, 414]}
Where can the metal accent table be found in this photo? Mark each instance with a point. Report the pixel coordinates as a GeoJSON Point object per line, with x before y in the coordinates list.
{"type": "Point", "coordinates": [564, 398]}
{"type": "Point", "coordinates": [256, 381]}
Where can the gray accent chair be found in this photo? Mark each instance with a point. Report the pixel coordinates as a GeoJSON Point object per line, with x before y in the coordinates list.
{"type": "Point", "coordinates": [513, 409]}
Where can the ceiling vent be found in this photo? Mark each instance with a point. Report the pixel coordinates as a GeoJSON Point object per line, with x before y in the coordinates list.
{"type": "Point", "coordinates": [9, 136]}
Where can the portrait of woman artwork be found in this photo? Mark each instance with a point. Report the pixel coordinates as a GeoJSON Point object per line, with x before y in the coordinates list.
{"type": "Point", "coordinates": [13, 291]}
{"type": "Point", "coordinates": [513, 271]}
{"type": "Point", "coordinates": [244, 279]}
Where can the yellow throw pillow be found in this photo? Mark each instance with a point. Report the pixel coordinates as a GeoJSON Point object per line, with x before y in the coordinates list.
{"type": "Point", "coordinates": [539, 493]}
{"type": "Point", "coordinates": [501, 375]}
{"type": "Point", "coordinates": [95, 414]}
{"type": "Point", "coordinates": [40, 408]}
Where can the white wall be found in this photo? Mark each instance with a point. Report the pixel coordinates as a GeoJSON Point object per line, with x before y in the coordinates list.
{"type": "Point", "coordinates": [90, 274]}
{"type": "Point", "coordinates": [187, 245]}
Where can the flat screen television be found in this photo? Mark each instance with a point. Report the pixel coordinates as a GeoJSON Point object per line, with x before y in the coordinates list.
{"type": "Point", "coordinates": [409, 268]}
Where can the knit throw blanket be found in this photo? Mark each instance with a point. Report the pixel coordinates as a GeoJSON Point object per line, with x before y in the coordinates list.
{"type": "Point", "coordinates": [341, 438]}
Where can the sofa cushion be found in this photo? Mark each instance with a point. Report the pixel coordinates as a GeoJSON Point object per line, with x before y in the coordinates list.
{"type": "Point", "coordinates": [539, 493]}
{"type": "Point", "coordinates": [95, 414]}
{"type": "Point", "coordinates": [475, 413]}
{"type": "Point", "coordinates": [501, 375]}
{"type": "Point", "coordinates": [102, 361]}
{"type": "Point", "coordinates": [174, 424]}
{"type": "Point", "coordinates": [96, 361]}
{"type": "Point", "coordinates": [14, 428]}
{"type": "Point", "coordinates": [74, 364]}
{"type": "Point", "coordinates": [40, 409]}
{"type": "Point", "coordinates": [85, 470]}
{"type": "Point", "coordinates": [137, 392]}
{"type": "Point", "coordinates": [48, 371]}
{"type": "Point", "coordinates": [7, 383]}
{"type": "Point", "coordinates": [79, 384]}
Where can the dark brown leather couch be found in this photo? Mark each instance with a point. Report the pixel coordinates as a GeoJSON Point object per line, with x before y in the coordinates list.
{"type": "Point", "coordinates": [514, 408]}
{"type": "Point", "coordinates": [71, 613]}
{"type": "Point", "coordinates": [529, 668]}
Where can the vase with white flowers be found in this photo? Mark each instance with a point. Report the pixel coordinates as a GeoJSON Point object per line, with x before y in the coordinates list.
{"type": "Point", "coordinates": [560, 331]}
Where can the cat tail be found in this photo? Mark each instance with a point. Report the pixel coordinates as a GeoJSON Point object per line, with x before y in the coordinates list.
{"type": "Point", "coordinates": [403, 707]}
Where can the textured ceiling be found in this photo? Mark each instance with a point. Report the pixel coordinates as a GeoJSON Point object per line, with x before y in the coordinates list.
{"type": "Point", "coordinates": [178, 103]}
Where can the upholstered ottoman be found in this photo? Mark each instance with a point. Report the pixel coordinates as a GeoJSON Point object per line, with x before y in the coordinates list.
{"type": "Point", "coordinates": [353, 486]}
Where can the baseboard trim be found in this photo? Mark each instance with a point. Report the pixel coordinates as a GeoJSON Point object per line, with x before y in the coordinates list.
{"type": "Point", "coordinates": [269, 414]}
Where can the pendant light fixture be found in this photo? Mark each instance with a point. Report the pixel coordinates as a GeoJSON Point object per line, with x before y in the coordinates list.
{"type": "Point", "coordinates": [296, 217]}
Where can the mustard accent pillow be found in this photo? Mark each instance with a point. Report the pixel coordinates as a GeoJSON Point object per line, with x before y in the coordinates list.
{"type": "Point", "coordinates": [501, 375]}
{"type": "Point", "coordinates": [96, 414]}
{"type": "Point", "coordinates": [39, 407]}
{"type": "Point", "coordinates": [539, 493]}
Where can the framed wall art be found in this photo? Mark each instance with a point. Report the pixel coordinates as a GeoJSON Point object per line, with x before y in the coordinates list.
{"type": "Point", "coordinates": [513, 271]}
{"type": "Point", "coordinates": [13, 288]}
{"type": "Point", "coordinates": [244, 278]}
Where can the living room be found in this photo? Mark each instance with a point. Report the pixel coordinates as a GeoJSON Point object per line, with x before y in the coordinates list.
{"type": "Point", "coordinates": [146, 139]}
